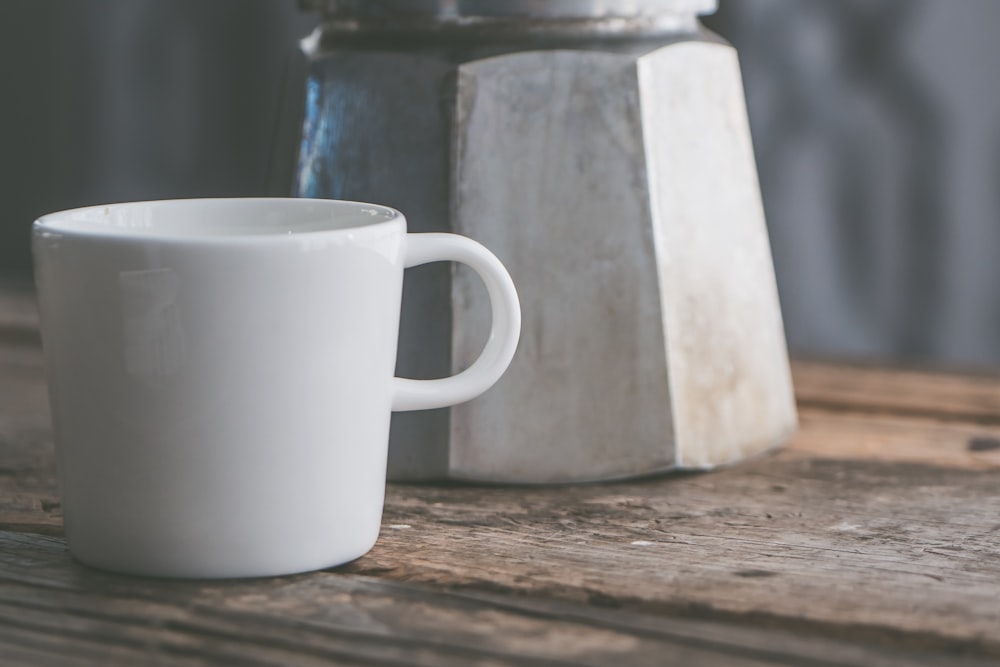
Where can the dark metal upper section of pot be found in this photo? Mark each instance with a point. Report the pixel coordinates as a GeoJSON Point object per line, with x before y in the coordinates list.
{"type": "Point", "coordinates": [456, 10]}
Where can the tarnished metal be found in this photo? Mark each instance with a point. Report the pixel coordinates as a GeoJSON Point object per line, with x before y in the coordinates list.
{"type": "Point", "coordinates": [606, 158]}
{"type": "Point", "coordinates": [539, 9]}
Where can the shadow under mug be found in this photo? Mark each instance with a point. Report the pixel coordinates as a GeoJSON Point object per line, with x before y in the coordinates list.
{"type": "Point", "coordinates": [221, 377]}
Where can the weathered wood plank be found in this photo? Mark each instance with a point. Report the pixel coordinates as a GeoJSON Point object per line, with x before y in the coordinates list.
{"type": "Point", "coordinates": [18, 309]}
{"type": "Point", "coordinates": [869, 548]}
{"type": "Point", "coordinates": [28, 495]}
{"type": "Point", "coordinates": [940, 395]}
{"type": "Point", "coordinates": [704, 531]}
{"type": "Point", "coordinates": [814, 540]}
{"type": "Point", "coordinates": [53, 611]}
{"type": "Point", "coordinates": [908, 553]}
{"type": "Point", "coordinates": [892, 438]}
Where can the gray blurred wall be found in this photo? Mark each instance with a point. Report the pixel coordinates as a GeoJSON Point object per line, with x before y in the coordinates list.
{"type": "Point", "coordinates": [876, 125]}
{"type": "Point", "coordinates": [877, 131]}
{"type": "Point", "coordinates": [115, 100]}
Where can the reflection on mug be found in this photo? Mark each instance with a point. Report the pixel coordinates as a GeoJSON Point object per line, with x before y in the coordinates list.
{"type": "Point", "coordinates": [151, 328]}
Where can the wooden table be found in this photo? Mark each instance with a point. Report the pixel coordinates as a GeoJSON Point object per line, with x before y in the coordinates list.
{"type": "Point", "coordinates": [872, 539]}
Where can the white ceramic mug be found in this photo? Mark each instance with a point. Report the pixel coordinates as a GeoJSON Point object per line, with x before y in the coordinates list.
{"type": "Point", "coordinates": [221, 377]}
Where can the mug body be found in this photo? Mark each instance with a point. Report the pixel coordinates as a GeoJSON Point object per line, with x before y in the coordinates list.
{"type": "Point", "coordinates": [220, 378]}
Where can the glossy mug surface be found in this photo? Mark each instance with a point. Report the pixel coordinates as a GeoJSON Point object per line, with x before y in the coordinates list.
{"type": "Point", "coordinates": [221, 377]}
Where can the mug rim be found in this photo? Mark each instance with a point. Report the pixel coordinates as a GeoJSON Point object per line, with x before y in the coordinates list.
{"type": "Point", "coordinates": [98, 223]}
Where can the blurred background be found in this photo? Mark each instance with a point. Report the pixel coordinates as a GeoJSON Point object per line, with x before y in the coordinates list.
{"type": "Point", "coordinates": [876, 126]}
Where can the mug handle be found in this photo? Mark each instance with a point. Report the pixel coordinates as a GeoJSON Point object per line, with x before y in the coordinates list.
{"type": "Point", "coordinates": [505, 328]}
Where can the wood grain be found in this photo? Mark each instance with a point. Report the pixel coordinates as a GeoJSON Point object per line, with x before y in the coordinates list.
{"type": "Point", "coordinates": [855, 548]}
{"type": "Point", "coordinates": [28, 495]}
{"type": "Point", "coordinates": [902, 392]}
{"type": "Point", "coordinates": [55, 612]}
{"type": "Point", "coordinates": [18, 310]}
{"type": "Point", "coordinates": [892, 438]}
{"type": "Point", "coordinates": [873, 538]}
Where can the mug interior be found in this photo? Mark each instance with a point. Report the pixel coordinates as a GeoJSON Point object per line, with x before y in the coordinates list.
{"type": "Point", "coordinates": [199, 218]}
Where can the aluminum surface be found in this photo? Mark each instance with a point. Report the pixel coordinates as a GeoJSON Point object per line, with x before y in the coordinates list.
{"type": "Point", "coordinates": [615, 178]}
{"type": "Point", "coordinates": [453, 9]}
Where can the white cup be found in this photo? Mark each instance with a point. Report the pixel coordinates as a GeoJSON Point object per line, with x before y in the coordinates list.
{"type": "Point", "coordinates": [221, 377]}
